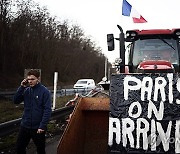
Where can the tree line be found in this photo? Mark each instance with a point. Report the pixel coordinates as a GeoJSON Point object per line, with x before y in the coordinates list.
{"type": "Point", "coordinates": [31, 38]}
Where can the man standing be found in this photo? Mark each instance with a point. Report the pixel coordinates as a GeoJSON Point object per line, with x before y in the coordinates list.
{"type": "Point", "coordinates": [37, 111]}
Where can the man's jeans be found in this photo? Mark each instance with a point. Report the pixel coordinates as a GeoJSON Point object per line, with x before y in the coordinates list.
{"type": "Point", "coordinates": [24, 137]}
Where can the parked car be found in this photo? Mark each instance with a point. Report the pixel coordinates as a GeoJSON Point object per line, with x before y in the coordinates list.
{"type": "Point", "coordinates": [85, 84]}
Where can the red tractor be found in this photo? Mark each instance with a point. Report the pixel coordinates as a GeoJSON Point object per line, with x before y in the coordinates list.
{"type": "Point", "coordinates": [141, 114]}
{"type": "Point", "coordinates": [149, 51]}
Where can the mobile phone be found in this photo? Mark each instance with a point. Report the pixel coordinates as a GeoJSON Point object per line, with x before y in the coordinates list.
{"type": "Point", "coordinates": [25, 83]}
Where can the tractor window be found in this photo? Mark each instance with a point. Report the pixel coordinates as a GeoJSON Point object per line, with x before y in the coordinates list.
{"type": "Point", "coordinates": [127, 54]}
{"type": "Point", "coordinates": [155, 49]}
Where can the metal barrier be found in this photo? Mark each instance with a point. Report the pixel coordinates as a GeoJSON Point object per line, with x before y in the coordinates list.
{"type": "Point", "coordinates": [61, 92]}
{"type": "Point", "coordinates": [13, 125]}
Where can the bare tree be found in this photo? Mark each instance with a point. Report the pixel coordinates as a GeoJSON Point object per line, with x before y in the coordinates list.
{"type": "Point", "coordinates": [32, 38]}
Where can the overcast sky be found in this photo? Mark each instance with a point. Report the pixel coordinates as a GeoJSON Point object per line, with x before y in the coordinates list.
{"type": "Point", "coordinates": [99, 17]}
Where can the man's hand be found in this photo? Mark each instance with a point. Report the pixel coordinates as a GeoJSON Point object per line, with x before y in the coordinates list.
{"type": "Point", "coordinates": [39, 131]}
{"type": "Point", "coordinates": [24, 83]}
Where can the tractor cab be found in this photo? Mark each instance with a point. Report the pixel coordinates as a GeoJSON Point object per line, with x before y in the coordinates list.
{"type": "Point", "coordinates": [148, 51]}
{"type": "Point", "coordinates": [153, 51]}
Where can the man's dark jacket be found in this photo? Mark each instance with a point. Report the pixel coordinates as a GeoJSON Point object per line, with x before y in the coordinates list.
{"type": "Point", "coordinates": [37, 106]}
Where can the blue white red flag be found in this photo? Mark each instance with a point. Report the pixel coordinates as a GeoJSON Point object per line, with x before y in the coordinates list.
{"type": "Point", "coordinates": [128, 10]}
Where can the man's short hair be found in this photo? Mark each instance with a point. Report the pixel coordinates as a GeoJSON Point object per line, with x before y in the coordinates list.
{"type": "Point", "coordinates": [34, 72]}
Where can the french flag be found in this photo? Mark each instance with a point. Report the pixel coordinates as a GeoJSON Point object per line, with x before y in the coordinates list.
{"type": "Point", "coordinates": [128, 10]}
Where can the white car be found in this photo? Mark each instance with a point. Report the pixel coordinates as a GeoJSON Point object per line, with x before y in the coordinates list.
{"type": "Point", "coordinates": [85, 84]}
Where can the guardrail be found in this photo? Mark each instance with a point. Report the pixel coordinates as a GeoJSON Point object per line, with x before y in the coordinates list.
{"type": "Point", "coordinates": [13, 125]}
{"type": "Point", "coordinates": [61, 92]}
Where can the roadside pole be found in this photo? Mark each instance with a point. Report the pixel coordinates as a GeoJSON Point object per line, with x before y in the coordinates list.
{"type": "Point", "coordinates": [55, 90]}
{"type": "Point", "coordinates": [105, 68]}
